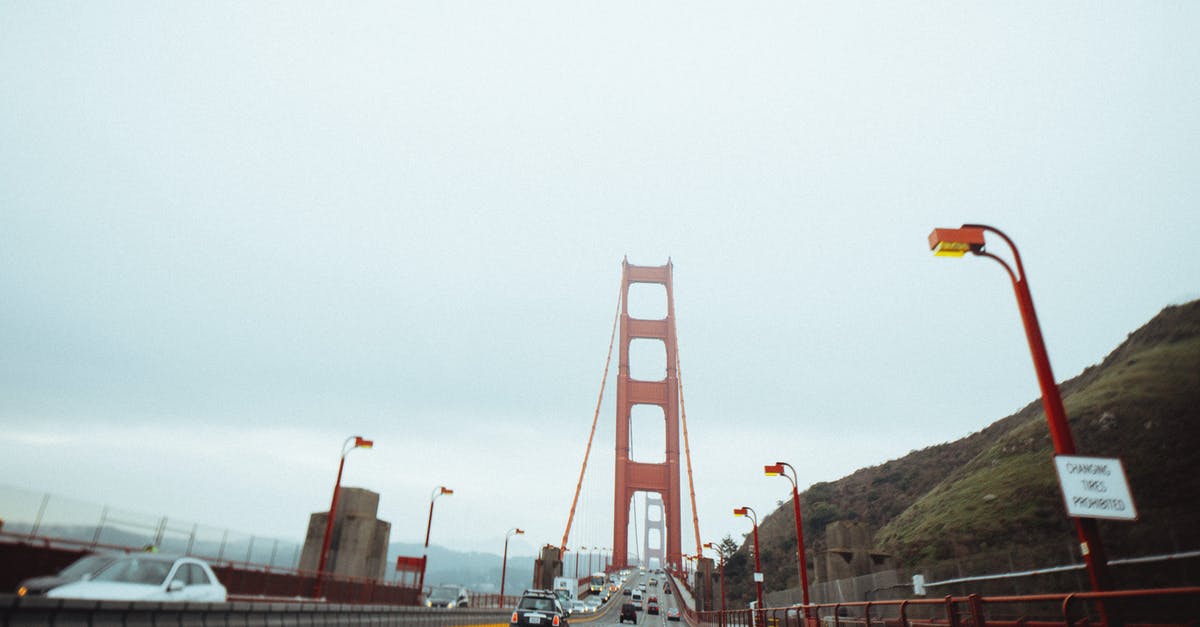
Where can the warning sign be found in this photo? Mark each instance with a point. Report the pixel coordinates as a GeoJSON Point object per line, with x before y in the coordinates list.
{"type": "Point", "coordinates": [1095, 487]}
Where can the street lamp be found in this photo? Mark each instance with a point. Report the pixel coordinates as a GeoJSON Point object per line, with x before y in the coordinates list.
{"type": "Point", "coordinates": [504, 564]}
{"type": "Point", "coordinates": [970, 238]}
{"type": "Point", "coordinates": [778, 469]}
{"type": "Point", "coordinates": [721, 555]}
{"type": "Point", "coordinates": [438, 491]}
{"type": "Point", "coordinates": [758, 574]}
{"type": "Point", "coordinates": [351, 443]}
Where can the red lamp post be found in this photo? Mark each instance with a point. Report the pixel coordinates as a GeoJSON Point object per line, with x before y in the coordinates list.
{"type": "Point", "coordinates": [351, 443]}
{"type": "Point", "coordinates": [758, 574]}
{"type": "Point", "coordinates": [438, 491]}
{"type": "Point", "coordinates": [721, 566]}
{"type": "Point", "coordinates": [777, 470]}
{"type": "Point", "coordinates": [504, 564]}
{"type": "Point", "coordinates": [970, 238]}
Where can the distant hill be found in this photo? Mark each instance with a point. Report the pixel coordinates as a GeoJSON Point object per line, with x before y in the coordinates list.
{"type": "Point", "coordinates": [991, 500]}
{"type": "Point", "coordinates": [479, 572]}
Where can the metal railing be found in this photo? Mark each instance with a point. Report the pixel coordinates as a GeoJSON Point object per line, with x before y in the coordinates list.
{"type": "Point", "coordinates": [37, 515]}
{"type": "Point", "coordinates": [43, 611]}
{"type": "Point", "coordinates": [1159, 607]}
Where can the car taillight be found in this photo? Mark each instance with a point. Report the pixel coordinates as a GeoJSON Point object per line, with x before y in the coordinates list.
{"type": "Point", "coordinates": [514, 618]}
{"type": "Point", "coordinates": [556, 620]}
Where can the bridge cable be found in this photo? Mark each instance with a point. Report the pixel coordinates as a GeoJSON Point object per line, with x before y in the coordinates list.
{"type": "Point", "coordinates": [595, 417]}
{"type": "Point", "coordinates": [687, 448]}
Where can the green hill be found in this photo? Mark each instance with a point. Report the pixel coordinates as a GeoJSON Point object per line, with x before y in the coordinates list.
{"type": "Point", "coordinates": [991, 500]}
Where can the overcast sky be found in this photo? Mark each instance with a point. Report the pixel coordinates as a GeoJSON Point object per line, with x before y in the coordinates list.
{"type": "Point", "coordinates": [234, 233]}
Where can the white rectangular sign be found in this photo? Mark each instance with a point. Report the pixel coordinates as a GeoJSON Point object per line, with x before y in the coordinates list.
{"type": "Point", "coordinates": [1095, 487]}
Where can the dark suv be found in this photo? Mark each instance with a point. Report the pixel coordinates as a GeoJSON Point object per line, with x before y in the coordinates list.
{"type": "Point", "coordinates": [628, 610]}
{"type": "Point", "coordinates": [540, 608]}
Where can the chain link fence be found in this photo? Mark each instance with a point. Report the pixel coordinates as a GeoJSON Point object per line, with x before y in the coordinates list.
{"type": "Point", "coordinates": [43, 515]}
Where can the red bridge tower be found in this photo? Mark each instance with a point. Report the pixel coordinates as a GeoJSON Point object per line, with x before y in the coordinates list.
{"type": "Point", "coordinates": [632, 476]}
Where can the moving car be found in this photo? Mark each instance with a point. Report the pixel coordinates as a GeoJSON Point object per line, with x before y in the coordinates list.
{"type": "Point", "coordinates": [147, 577]}
{"type": "Point", "coordinates": [672, 613]}
{"type": "Point", "coordinates": [628, 611]}
{"type": "Point", "coordinates": [593, 603]}
{"type": "Point", "coordinates": [449, 597]}
{"type": "Point", "coordinates": [652, 607]}
{"type": "Point", "coordinates": [577, 607]}
{"type": "Point", "coordinates": [539, 607]}
{"type": "Point", "coordinates": [81, 568]}
{"type": "Point", "coordinates": [626, 592]}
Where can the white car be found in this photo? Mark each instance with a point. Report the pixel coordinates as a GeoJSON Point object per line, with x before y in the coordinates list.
{"type": "Point", "coordinates": [147, 577]}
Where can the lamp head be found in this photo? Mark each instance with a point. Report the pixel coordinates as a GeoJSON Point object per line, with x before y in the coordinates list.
{"type": "Point", "coordinates": [773, 470]}
{"type": "Point", "coordinates": [361, 442]}
{"type": "Point", "coordinates": [519, 532]}
{"type": "Point", "coordinates": [445, 490]}
{"type": "Point", "coordinates": [740, 511]}
{"type": "Point", "coordinates": [956, 242]}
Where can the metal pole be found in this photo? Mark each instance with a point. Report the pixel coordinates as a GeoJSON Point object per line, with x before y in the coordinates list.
{"type": "Point", "coordinates": [337, 487]}
{"type": "Point", "coordinates": [722, 587]}
{"type": "Point", "coordinates": [99, 527]}
{"type": "Point", "coordinates": [440, 490]}
{"type": "Point", "coordinates": [758, 584]}
{"type": "Point", "coordinates": [503, 570]}
{"type": "Point", "coordinates": [274, 548]}
{"type": "Point", "coordinates": [221, 551]}
{"type": "Point", "coordinates": [799, 539]}
{"type": "Point", "coordinates": [192, 539]}
{"type": "Point", "coordinates": [37, 522]}
{"type": "Point", "coordinates": [1094, 554]}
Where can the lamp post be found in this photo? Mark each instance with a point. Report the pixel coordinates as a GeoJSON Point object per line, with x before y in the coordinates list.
{"type": "Point", "coordinates": [504, 564]}
{"type": "Point", "coordinates": [776, 470]}
{"type": "Point", "coordinates": [438, 491]}
{"type": "Point", "coordinates": [351, 443]}
{"type": "Point", "coordinates": [721, 566]}
{"type": "Point", "coordinates": [758, 575]}
{"type": "Point", "coordinates": [970, 238]}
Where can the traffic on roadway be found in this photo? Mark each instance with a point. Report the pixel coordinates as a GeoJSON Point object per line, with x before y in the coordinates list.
{"type": "Point", "coordinates": [643, 597]}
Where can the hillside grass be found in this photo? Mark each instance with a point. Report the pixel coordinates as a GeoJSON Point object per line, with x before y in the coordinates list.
{"type": "Point", "coordinates": [1138, 408]}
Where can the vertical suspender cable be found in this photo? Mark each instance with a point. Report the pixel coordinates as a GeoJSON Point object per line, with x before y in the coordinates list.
{"type": "Point", "coordinates": [687, 448]}
{"type": "Point", "coordinates": [595, 417]}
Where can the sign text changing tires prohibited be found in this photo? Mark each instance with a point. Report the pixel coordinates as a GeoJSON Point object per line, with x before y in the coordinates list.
{"type": "Point", "coordinates": [1095, 487]}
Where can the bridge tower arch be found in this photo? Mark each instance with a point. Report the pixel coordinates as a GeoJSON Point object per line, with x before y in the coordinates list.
{"type": "Point", "coordinates": [632, 476]}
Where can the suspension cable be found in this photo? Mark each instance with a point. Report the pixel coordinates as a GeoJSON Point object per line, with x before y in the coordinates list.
{"type": "Point", "coordinates": [687, 449]}
{"type": "Point", "coordinates": [595, 418]}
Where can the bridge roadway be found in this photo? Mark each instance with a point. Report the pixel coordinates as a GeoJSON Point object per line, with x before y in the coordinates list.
{"type": "Point", "coordinates": [610, 613]}
{"type": "Point", "coordinates": [16, 610]}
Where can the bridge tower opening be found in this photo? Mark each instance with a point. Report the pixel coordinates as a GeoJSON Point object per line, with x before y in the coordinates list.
{"type": "Point", "coordinates": [654, 550]}
{"type": "Point", "coordinates": [634, 476]}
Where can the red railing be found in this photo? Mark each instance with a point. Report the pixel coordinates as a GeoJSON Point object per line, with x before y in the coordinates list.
{"type": "Point", "coordinates": [1155, 607]}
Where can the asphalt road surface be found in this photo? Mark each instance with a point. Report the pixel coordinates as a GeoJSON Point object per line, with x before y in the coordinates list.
{"type": "Point", "coordinates": [610, 613]}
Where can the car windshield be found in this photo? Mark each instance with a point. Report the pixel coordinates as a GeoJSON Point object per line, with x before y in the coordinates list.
{"type": "Point", "coordinates": [444, 593]}
{"type": "Point", "coordinates": [143, 570]}
{"type": "Point", "coordinates": [541, 604]}
{"type": "Point", "coordinates": [85, 566]}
